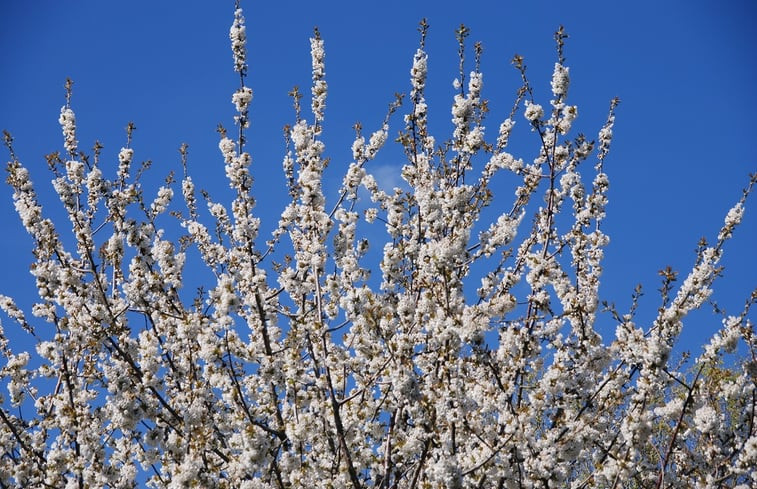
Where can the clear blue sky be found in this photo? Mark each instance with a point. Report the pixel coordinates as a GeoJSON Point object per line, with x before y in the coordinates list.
{"type": "Point", "coordinates": [685, 131]}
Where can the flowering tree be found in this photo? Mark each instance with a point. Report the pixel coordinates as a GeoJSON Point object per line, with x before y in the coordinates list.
{"type": "Point", "coordinates": [296, 367]}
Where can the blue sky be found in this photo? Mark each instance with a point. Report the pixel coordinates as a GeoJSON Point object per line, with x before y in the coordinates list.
{"type": "Point", "coordinates": [684, 70]}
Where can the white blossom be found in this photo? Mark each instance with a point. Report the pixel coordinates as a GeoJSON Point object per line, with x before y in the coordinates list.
{"type": "Point", "coordinates": [67, 122]}
{"type": "Point", "coordinates": [560, 80]}
{"type": "Point", "coordinates": [241, 99]}
{"type": "Point", "coordinates": [419, 70]}
{"type": "Point", "coordinates": [705, 419]}
{"type": "Point", "coordinates": [534, 112]}
{"type": "Point", "coordinates": [238, 36]}
{"type": "Point", "coordinates": [124, 161]}
{"type": "Point", "coordinates": [732, 219]}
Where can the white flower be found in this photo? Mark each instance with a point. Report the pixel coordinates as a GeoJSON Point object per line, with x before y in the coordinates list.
{"type": "Point", "coordinates": [319, 88]}
{"type": "Point", "coordinates": [569, 114]}
{"type": "Point", "coordinates": [605, 135]}
{"type": "Point", "coordinates": [238, 36]}
{"type": "Point", "coordinates": [377, 140]}
{"type": "Point", "coordinates": [159, 205]}
{"type": "Point", "coordinates": [300, 136]}
{"type": "Point", "coordinates": [227, 148]}
{"type": "Point", "coordinates": [67, 121]}
{"type": "Point", "coordinates": [474, 140]}
{"type": "Point", "coordinates": [357, 148]}
{"type": "Point", "coordinates": [75, 171]}
{"type": "Point", "coordinates": [560, 80]}
{"type": "Point", "coordinates": [462, 109]}
{"type": "Point", "coordinates": [419, 70]}
{"type": "Point", "coordinates": [241, 99]}
{"type": "Point", "coordinates": [732, 219]}
{"type": "Point", "coordinates": [534, 112]}
{"type": "Point", "coordinates": [705, 419]}
{"type": "Point", "coordinates": [504, 132]}
{"type": "Point", "coordinates": [475, 84]}
{"type": "Point", "coordinates": [124, 161]}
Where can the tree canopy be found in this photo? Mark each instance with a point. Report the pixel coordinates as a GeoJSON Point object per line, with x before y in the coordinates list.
{"type": "Point", "coordinates": [440, 334]}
